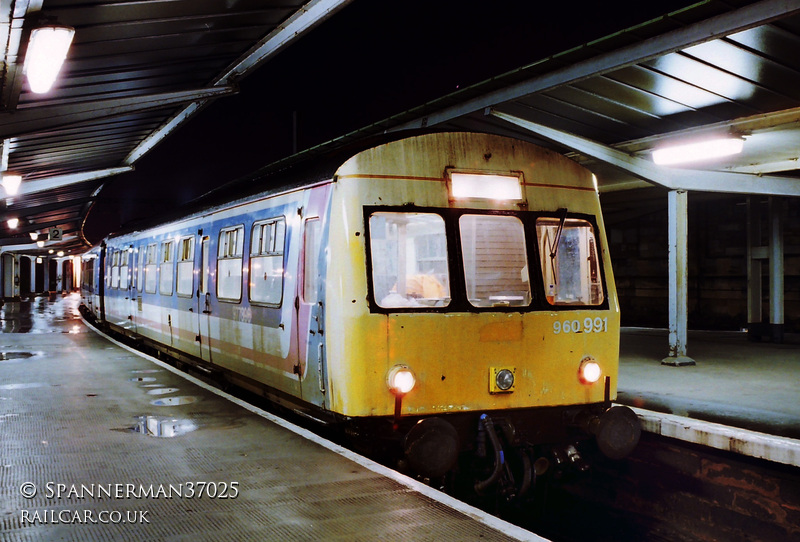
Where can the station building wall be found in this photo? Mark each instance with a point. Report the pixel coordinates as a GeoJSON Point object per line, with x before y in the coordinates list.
{"type": "Point", "coordinates": [717, 264]}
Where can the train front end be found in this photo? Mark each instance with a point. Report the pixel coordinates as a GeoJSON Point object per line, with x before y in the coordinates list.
{"type": "Point", "coordinates": [470, 307]}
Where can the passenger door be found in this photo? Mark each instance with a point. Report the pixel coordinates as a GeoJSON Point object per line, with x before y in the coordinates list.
{"type": "Point", "coordinates": [204, 303]}
{"type": "Point", "coordinates": [309, 302]}
{"type": "Point", "coordinates": [133, 266]}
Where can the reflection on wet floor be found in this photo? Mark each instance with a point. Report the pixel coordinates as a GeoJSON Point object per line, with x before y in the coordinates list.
{"type": "Point", "coordinates": [158, 426]}
{"type": "Point", "coordinates": [23, 386]}
{"type": "Point", "coordinates": [40, 315]}
{"type": "Point", "coordinates": [142, 379]}
{"type": "Point", "coordinates": [174, 401]}
{"type": "Point", "coordinates": [17, 356]}
{"type": "Point", "coordinates": [162, 391]}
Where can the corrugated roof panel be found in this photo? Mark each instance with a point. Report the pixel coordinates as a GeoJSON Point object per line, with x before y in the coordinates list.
{"type": "Point", "coordinates": [634, 97]}
{"type": "Point", "coordinates": [772, 42]}
{"type": "Point", "coordinates": [746, 64]}
{"type": "Point", "coordinates": [687, 97]}
{"type": "Point", "coordinates": [548, 110]}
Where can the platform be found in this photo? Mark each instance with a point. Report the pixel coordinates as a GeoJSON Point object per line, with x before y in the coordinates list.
{"type": "Point", "coordinates": [99, 443]}
{"type": "Point", "coordinates": [735, 382]}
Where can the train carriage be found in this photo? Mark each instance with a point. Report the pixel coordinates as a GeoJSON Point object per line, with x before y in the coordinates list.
{"type": "Point", "coordinates": [448, 293]}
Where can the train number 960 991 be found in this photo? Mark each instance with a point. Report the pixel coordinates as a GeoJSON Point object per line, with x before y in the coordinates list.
{"type": "Point", "coordinates": [587, 325]}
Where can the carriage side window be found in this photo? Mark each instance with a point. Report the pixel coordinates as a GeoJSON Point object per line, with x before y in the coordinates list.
{"type": "Point", "coordinates": [165, 270]}
{"type": "Point", "coordinates": [124, 257]}
{"type": "Point", "coordinates": [229, 264]}
{"type": "Point", "coordinates": [185, 266]}
{"type": "Point", "coordinates": [134, 269]}
{"type": "Point", "coordinates": [115, 269]}
{"type": "Point", "coordinates": [150, 267]}
{"type": "Point", "coordinates": [409, 260]}
{"type": "Point", "coordinates": [266, 261]}
{"type": "Point", "coordinates": [495, 261]}
{"type": "Point", "coordinates": [141, 256]}
{"type": "Point", "coordinates": [570, 262]}
{"type": "Point", "coordinates": [87, 274]}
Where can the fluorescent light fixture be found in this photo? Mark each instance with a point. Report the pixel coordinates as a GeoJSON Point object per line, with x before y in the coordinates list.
{"type": "Point", "coordinates": [11, 183]}
{"type": "Point", "coordinates": [695, 152]}
{"type": "Point", "coordinates": [485, 186]}
{"type": "Point", "coordinates": [13, 222]}
{"type": "Point", "coordinates": [47, 49]}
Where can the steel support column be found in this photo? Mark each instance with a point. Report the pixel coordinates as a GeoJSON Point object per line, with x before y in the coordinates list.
{"type": "Point", "coordinates": [756, 253]}
{"type": "Point", "coordinates": [777, 212]}
{"type": "Point", "coordinates": [678, 274]}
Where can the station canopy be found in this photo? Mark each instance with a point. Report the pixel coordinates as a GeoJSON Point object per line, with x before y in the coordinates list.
{"type": "Point", "coordinates": [137, 70]}
{"type": "Point", "coordinates": [134, 73]}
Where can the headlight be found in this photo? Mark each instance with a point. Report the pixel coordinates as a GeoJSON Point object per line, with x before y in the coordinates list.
{"type": "Point", "coordinates": [589, 371]}
{"type": "Point", "coordinates": [501, 379]}
{"type": "Point", "coordinates": [401, 379]}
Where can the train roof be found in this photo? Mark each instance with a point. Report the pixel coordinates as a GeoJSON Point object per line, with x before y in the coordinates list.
{"type": "Point", "coordinates": [305, 168]}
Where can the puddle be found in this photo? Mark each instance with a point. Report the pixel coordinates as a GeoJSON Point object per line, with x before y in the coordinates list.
{"type": "Point", "coordinates": [159, 426]}
{"type": "Point", "coordinates": [142, 379]}
{"type": "Point", "coordinates": [25, 386]}
{"type": "Point", "coordinates": [174, 401]}
{"type": "Point", "coordinates": [17, 356]}
{"type": "Point", "coordinates": [162, 391]}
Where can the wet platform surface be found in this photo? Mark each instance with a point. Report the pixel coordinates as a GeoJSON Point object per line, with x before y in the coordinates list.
{"type": "Point", "coordinates": [101, 444]}
{"type": "Point", "coordinates": [735, 382]}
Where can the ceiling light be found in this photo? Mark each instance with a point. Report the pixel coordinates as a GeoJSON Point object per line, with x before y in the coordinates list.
{"type": "Point", "coordinates": [47, 49]}
{"type": "Point", "coordinates": [40, 244]}
{"type": "Point", "coordinates": [11, 183]}
{"type": "Point", "coordinates": [13, 222]}
{"type": "Point", "coordinates": [34, 235]}
{"type": "Point", "coordinates": [695, 152]}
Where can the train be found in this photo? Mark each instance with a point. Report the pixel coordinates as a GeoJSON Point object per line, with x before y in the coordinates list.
{"type": "Point", "coordinates": [447, 297]}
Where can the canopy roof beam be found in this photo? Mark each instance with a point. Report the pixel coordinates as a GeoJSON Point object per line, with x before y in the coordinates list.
{"type": "Point", "coordinates": [42, 119]}
{"type": "Point", "coordinates": [671, 178]}
{"type": "Point", "coordinates": [60, 181]}
{"type": "Point", "coordinates": [303, 20]}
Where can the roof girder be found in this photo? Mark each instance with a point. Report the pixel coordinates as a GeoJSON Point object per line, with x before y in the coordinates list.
{"type": "Point", "coordinates": [671, 178]}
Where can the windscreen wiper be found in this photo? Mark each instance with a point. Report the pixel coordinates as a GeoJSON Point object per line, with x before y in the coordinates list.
{"type": "Point", "coordinates": [562, 217]}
